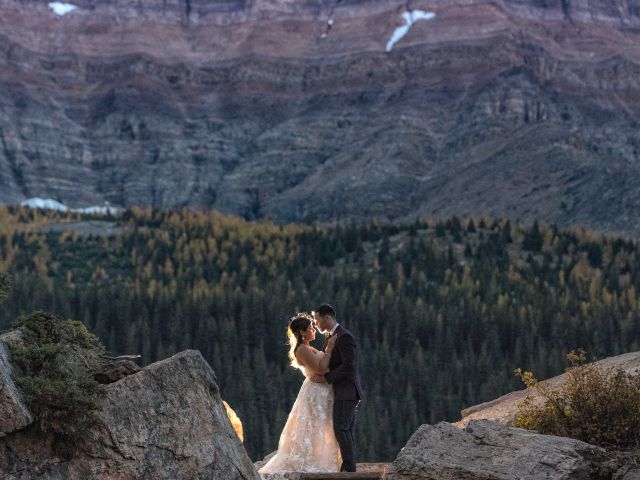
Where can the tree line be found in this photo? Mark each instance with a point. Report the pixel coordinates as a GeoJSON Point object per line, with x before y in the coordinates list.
{"type": "Point", "coordinates": [443, 311]}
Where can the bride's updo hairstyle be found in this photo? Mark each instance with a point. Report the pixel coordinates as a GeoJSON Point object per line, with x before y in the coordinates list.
{"type": "Point", "coordinates": [297, 324]}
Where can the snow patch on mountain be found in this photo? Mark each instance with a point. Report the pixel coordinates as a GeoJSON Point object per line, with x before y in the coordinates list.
{"type": "Point", "coordinates": [409, 19]}
{"type": "Point", "coordinates": [47, 203]}
{"type": "Point", "coordinates": [50, 204]}
{"type": "Point", "coordinates": [61, 8]}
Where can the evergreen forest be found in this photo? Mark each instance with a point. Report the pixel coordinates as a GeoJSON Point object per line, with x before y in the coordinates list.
{"type": "Point", "coordinates": [443, 311]}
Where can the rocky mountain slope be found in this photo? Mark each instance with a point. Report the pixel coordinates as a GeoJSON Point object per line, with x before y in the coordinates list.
{"type": "Point", "coordinates": [317, 111]}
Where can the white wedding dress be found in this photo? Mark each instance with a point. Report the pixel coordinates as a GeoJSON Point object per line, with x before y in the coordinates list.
{"type": "Point", "coordinates": [307, 442]}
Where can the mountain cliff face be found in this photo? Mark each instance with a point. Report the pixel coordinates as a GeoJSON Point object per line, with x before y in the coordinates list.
{"type": "Point", "coordinates": [317, 111]}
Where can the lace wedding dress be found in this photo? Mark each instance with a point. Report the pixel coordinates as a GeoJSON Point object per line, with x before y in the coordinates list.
{"type": "Point", "coordinates": [307, 442]}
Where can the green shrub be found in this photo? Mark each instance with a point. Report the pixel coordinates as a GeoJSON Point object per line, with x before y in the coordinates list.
{"type": "Point", "coordinates": [56, 362]}
{"type": "Point", "coordinates": [597, 405]}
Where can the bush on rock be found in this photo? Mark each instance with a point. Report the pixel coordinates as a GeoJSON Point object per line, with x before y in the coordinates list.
{"type": "Point", "coordinates": [597, 405]}
{"type": "Point", "coordinates": [56, 361]}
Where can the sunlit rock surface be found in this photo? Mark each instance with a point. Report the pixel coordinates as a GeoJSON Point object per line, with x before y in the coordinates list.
{"type": "Point", "coordinates": [236, 423]}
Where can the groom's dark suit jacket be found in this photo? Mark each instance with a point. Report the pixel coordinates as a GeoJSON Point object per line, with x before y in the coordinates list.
{"type": "Point", "coordinates": [343, 367]}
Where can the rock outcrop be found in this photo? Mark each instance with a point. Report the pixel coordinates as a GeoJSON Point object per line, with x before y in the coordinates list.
{"type": "Point", "coordinates": [488, 450]}
{"type": "Point", "coordinates": [484, 446]}
{"type": "Point", "coordinates": [14, 413]}
{"type": "Point", "coordinates": [114, 370]}
{"type": "Point", "coordinates": [525, 109]}
{"type": "Point", "coordinates": [504, 408]}
{"type": "Point", "coordinates": [166, 421]}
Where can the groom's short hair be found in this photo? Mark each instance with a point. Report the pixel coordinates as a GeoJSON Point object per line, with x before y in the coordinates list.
{"type": "Point", "coordinates": [326, 309]}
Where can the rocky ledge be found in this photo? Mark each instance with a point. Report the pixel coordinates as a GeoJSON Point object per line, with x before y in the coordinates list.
{"type": "Point", "coordinates": [14, 413]}
{"type": "Point", "coordinates": [488, 450]}
{"type": "Point", "coordinates": [503, 409]}
{"type": "Point", "coordinates": [166, 421]}
{"type": "Point", "coordinates": [484, 446]}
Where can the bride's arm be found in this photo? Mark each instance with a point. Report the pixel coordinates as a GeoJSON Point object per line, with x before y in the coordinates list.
{"type": "Point", "coordinates": [317, 363]}
{"type": "Point", "coordinates": [323, 364]}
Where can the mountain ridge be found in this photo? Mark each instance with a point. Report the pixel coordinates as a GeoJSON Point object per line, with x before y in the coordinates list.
{"type": "Point", "coordinates": [294, 112]}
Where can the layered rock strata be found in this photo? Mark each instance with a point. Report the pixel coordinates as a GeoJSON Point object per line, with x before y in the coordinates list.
{"type": "Point", "coordinates": [293, 110]}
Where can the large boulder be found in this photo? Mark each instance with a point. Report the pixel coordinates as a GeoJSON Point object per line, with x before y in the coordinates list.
{"type": "Point", "coordinates": [488, 450]}
{"type": "Point", "coordinates": [165, 422]}
{"type": "Point", "coordinates": [503, 409]}
{"type": "Point", "coordinates": [14, 413]}
{"type": "Point", "coordinates": [115, 369]}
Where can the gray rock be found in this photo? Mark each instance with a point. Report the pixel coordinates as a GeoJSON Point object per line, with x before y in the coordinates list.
{"type": "Point", "coordinates": [165, 422]}
{"type": "Point", "coordinates": [632, 475]}
{"type": "Point", "coordinates": [488, 450]}
{"type": "Point", "coordinates": [261, 463]}
{"type": "Point", "coordinates": [14, 413]}
{"type": "Point", "coordinates": [114, 370]}
{"type": "Point", "coordinates": [630, 466]}
{"type": "Point", "coordinates": [283, 476]}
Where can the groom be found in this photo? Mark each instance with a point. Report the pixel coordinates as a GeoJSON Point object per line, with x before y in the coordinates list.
{"type": "Point", "coordinates": [343, 374]}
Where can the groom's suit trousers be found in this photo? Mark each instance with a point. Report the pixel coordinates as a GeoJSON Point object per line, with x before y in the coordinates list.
{"type": "Point", "coordinates": [344, 420]}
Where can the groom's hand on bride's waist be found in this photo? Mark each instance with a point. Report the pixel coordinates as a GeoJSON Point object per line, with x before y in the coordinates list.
{"type": "Point", "coordinates": [318, 378]}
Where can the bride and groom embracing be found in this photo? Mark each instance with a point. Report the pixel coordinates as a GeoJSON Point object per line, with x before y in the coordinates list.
{"type": "Point", "coordinates": [318, 435]}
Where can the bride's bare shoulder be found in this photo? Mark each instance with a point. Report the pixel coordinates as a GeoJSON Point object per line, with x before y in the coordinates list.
{"type": "Point", "coordinates": [303, 351]}
{"type": "Point", "coordinates": [307, 354]}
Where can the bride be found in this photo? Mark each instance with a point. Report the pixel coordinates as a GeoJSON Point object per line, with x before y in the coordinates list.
{"type": "Point", "coordinates": [307, 442]}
